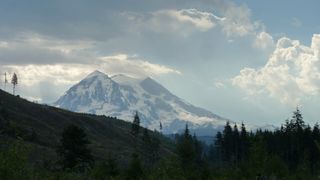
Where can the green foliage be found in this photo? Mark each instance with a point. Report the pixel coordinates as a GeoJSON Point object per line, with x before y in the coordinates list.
{"type": "Point", "coordinates": [291, 152]}
{"type": "Point", "coordinates": [151, 146]}
{"type": "Point", "coordinates": [186, 149]}
{"type": "Point", "coordinates": [105, 170]}
{"type": "Point", "coordinates": [135, 170]}
{"type": "Point", "coordinates": [13, 162]}
{"type": "Point", "coordinates": [73, 149]}
{"type": "Point", "coordinates": [136, 125]}
{"type": "Point", "coordinates": [146, 137]}
{"type": "Point", "coordinates": [167, 169]}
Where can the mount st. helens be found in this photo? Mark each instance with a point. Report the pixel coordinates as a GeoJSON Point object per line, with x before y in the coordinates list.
{"type": "Point", "coordinates": [122, 96]}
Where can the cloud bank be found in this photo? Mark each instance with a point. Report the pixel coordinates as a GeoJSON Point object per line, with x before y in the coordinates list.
{"type": "Point", "coordinates": [291, 73]}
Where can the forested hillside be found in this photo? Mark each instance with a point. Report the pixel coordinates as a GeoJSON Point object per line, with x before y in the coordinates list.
{"type": "Point", "coordinates": [38, 129]}
{"type": "Point", "coordinates": [43, 142]}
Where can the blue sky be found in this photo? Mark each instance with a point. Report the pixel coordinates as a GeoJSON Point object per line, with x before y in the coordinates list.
{"type": "Point", "coordinates": [251, 61]}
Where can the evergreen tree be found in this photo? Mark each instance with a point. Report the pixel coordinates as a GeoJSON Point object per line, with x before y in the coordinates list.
{"type": "Point", "coordinates": [257, 160]}
{"type": "Point", "coordinates": [73, 149]}
{"type": "Point", "coordinates": [315, 153]}
{"type": "Point", "coordinates": [186, 149]}
{"type": "Point", "coordinates": [136, 124]}
{"type": "Point", "coordinates": [14, 82]}
{"type": "Point", "coordinates": [235, 144]}
{"type": "Point", "coordinates": [227, 142]}
{"type": "Point", "coordinates": [244, 142]}
{"type": "Point", "coordinates": [160, 127]}
{"type": "Point", "coordinates": [218, 146]}
{"type": "Point", "coordinates": [297, 120]}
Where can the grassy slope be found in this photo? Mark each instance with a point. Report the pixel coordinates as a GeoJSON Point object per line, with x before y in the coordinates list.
{"type": "Point", "coordinates": [108, 136]}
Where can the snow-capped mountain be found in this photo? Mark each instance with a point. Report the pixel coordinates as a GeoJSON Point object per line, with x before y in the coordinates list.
{"type": "Point", "coordinates": [122, 96]}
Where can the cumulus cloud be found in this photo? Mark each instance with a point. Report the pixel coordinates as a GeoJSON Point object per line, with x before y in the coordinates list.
{"type": "Point", "coordinates": [291, 73]}
{"type": "Point", "coordinates": [237, 21]}
{"type": "Point", "coordinates": [264, 40]}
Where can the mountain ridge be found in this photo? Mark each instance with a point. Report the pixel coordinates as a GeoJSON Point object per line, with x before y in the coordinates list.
{"type": "Point", "coordinates": [121, 96]}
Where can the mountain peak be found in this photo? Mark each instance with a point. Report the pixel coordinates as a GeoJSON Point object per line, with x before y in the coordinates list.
{"type": "Point", "coordinates": [122, 95]}
{"type": "Point", "coordinates": [125, 79]}
{"type": "Point", "coordinates": [96, 73]}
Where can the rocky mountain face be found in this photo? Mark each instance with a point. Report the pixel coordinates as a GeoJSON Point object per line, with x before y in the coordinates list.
{"type": "Point", "coordinates": [122, 96]}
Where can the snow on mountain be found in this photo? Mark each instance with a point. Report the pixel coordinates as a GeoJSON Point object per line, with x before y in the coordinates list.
{"type": "Point", "coordinates": [122, 96]}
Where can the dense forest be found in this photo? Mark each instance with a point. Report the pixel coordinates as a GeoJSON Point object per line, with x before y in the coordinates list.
{"type": "Point", "coordinates": [289, 152]}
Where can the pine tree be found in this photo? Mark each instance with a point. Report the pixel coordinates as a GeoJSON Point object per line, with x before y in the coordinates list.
{"type": "Point", "coordinates": [244, 142]}
{"type": "Point", "coordinates": [160, 127]}
{"type": "Point", "coordinates": [136, 124]}
{"type": "Point", "coordinates": [73, 149]}
{"type": "Point", "coordinates": [235, 143]}
{"type": "Point", "coordinates": [186, 150]}
{"type": "Point", "coordinates": [14, 82]}
{"type": "Point", "coordinates": [5, 81]}
{"type": "Point", "coordinates": [227, 142]}
{"type": "Point", "coordinates": [297, 120]}
{"type": "Point", "coordinates": [219, 146]}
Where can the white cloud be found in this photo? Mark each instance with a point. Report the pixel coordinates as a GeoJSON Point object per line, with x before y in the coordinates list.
{"type": "Point", "coordinates": [181, 22]}
{"type": "Point", "coordinates": [64, 75]}
{"type": "Point", "coordinates": [31, 75]}
{"type": "Point", "coordinates": [43, 62]}
{"type": "Point", "coordinates": [69, 74]}
{"type": "Point", "coordinates": [264, 41]}
{"type": "Point", "coordinates": [133, 66]}
{"type": "Point", "coordinates": [237, 21]}
{"type": "Point", "coordinates": [200, 20]}
{"type": "Point", "coordinates": [291, 73]}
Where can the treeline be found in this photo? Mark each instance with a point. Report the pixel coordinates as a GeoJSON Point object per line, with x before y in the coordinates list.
{"type": "Point", "coordinates": [290, 152]}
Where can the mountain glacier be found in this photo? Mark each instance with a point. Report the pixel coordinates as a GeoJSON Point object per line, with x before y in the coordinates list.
{"type": "Point", "coordinates": [121, 96]}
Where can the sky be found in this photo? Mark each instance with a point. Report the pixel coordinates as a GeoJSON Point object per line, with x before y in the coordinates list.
{"type": "Point", "coordinates": [246, 60]}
